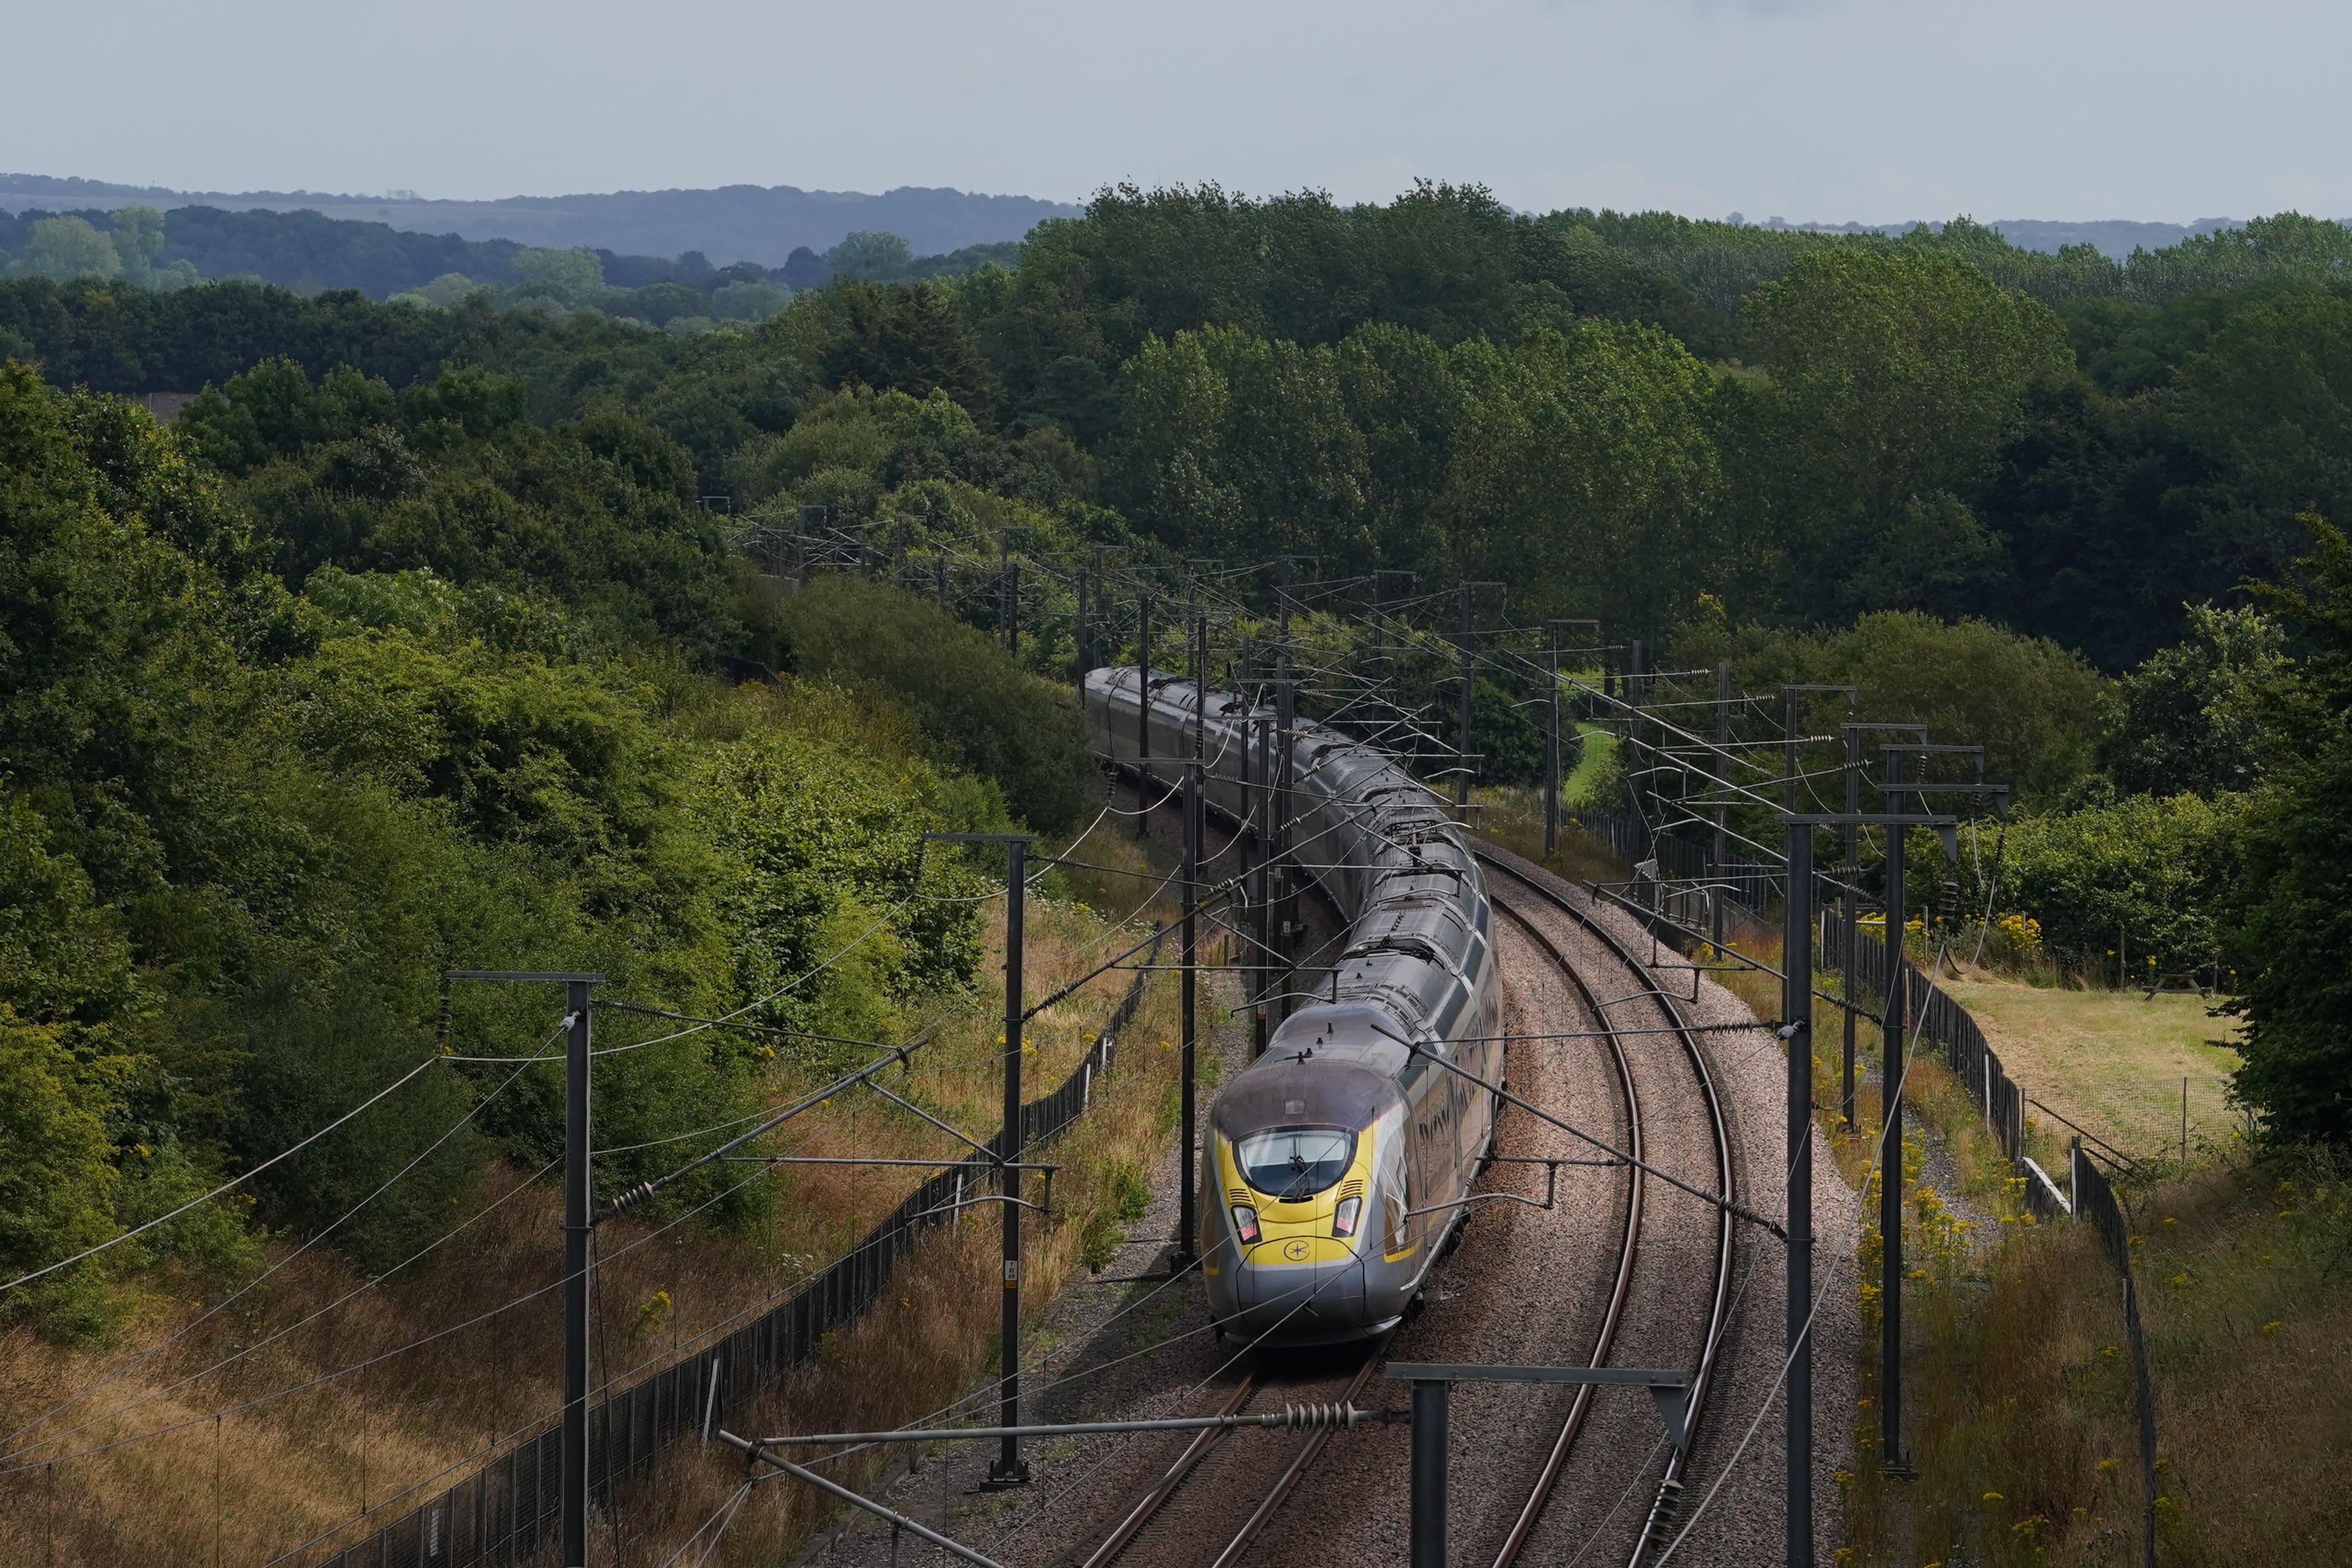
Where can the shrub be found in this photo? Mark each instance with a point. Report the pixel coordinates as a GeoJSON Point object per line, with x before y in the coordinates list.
{"type": "Point", "coordinates": [978, 708]}
{"type": "Point", "coordinates": [2156, 871]}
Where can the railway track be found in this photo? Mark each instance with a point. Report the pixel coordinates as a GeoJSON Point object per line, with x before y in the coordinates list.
{"type": "Point", "coordinates": [1658, 1528]}
{"type": "Point", "coordinates": [1186, 1516]}
{"type": "Point", "coordinates": [1187, 1513]}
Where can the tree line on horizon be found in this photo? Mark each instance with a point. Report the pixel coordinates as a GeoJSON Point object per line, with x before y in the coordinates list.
{"type": "Point", "coordinates": [308, 253]}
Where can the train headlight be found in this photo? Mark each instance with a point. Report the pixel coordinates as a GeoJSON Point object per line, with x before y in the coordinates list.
{"type": "Point", "coordinates": [1245, 1222]}
{"type": "Point", "coordinates": [1343, 1218]}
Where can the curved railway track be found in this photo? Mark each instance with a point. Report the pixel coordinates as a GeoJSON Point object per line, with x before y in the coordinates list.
{"type": "Point", "coordinates": [1658, 1527]}
{"type": "Point", "coordinates": [1186, 1514]}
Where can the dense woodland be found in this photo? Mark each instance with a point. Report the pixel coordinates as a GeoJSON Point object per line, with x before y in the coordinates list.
{"type": "Point", "coordinates": [397, 649]}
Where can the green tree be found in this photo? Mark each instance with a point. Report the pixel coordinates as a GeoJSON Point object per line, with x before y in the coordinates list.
{"type": "Point", "coordinates": [2296, 883]}
{"type": "Point", "coordinates": [749, 301]}
{"type": "Point", "coordinates": [1235, 446]}
{"type": "Point", "coordinates": [137, 240]}
{"type": "Point", "coordinates": [979, 708]}
{"type": "Point", "coordinates": [866, 254]}
{"type": "Point", "coordinates": [1583, 472]}
{"type": "Point", "coordinates": [2033, 705]}
{"type": "Point", "coordinates": [1896, 377]}
{"type": "Point", "coordinates": [2190, 718]}
{"type": "Point", "coordinates": [908, 338]}
{"type": "Point", "coordinates": [69, 248]}
{"type": "Point", "coordinates": [56, 1178]}
{"type": "Point", "coordinates": [567, 277]}
{"type": "Point", "coordinates": [2151, 873]}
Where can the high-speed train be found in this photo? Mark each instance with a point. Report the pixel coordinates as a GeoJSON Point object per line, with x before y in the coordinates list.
{"type": "Point", "coordinates": [1335, 1165]}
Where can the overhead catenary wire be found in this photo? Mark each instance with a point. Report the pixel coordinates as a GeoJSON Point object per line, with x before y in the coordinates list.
{"type": "Point", "coordinates": [414, 1344]}
{"type": "Point", "coordinates": [352, 1368]}
{"type": "Point", "coordinates": [233, 1183]}
{"type": "Point", "coordinates": [315, 1238]}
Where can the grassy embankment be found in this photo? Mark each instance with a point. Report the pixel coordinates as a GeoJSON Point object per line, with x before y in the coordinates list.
{"type": "Point", "coordinates": [2022, 1431]}
{"type": "Point", "coordinates": [256, 1483]}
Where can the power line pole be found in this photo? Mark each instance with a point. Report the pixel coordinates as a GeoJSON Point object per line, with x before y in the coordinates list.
{"type": "Point", "coordinates": [1143, 716]}
{"type": "Point", "coordinates": [1262, 907]}
{"type": "Point", "coordinates": [1186, 1221]}
{"type": "Point", "coordinates": [1721, 857]}
{"type": "Point", "coordinates": [1009, 1469]}
{"type": "Point", "coordinates": [1469, 635]}
{"type": "Point", "coordinates": [1890, 1145]}
{"type": "Point", "coordinates": [1850, 942]}
{"type": "Point", "coordinates": [1249, 844]}
{"type": "Point", "coordinates": [1012, 610]}
{"type": "Point", "coordinates": [1796, 1009]}
{"type": "Point", "coordinates": [1082, 636]}
{"type": "Point", "coordinates": [579, 1221]}
{"type": "Point", "coordinates": [1634, 771]}
{"type": "Point", "coordinates": [1286, 713]}
{"type": "Point", "coordinates": [1552, 738]}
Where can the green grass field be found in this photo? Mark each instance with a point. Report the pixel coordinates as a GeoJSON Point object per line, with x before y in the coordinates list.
{"type": "Point", "coordinates": [2112, 1061]}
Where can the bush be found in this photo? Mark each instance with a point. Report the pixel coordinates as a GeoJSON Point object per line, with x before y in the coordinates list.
{"type": "Point", "coordinates": [57, 1177]}
{"type": "Point", "coordinates": [2158, 872]}
{"type": "Point", "coordinates": [978, 708]}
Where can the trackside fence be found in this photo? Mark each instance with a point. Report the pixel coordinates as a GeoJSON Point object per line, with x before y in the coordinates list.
{"type": "Point", "coordinates": [1935, 1016]}
{"type": "Point", "coordinates": [2095, 1201]}
{"type": "Point", "coordinates": [506, 1512]}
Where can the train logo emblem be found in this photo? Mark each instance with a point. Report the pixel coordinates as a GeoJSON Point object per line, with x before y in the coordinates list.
{"type": "Point", "coordinates": [1294, 1250]}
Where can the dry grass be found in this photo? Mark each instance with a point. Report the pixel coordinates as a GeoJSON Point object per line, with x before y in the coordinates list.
{"type": "Point", "coordinates": [2026, 1438]}
{"type": "Point", "coordinates": [182, 1486]}
{"type": "Point", "coordinates": [2112, 1061]}
{"type": "Point", "coordinates": [2019, 1379]}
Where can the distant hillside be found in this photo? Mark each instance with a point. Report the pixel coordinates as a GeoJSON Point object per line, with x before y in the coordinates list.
{"type": "Point", "coordinates": [309, 254]}
{"type": "Point", "coordinates": [735, 223]}
{"type": "Point", "coordinates": [2115, 239]}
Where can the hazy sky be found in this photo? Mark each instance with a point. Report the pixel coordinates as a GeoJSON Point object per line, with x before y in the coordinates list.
{"type": "Point", "coordinates": [1875, 109]}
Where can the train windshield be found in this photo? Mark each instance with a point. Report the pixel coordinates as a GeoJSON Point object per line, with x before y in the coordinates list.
{"type": "Point", "coordinates": [1289, 1163]}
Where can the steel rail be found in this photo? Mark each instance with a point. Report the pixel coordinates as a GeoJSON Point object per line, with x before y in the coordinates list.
{"type": "Point", "coordinates": [1309, 1450]}
{"type": "Point", "coordinates": [1186, 1462]}
{"type": "Point", "coordinates": [1628, 1246]}
{"type": "Point", "coordinates": [1719, 1311]}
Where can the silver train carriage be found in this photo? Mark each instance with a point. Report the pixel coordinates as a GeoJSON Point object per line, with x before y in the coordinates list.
{"type": "Point", "coordinates": [1335, 1165]}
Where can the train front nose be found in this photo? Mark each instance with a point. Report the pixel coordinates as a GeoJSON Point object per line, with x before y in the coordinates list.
{"type": "Point", "coordinates": [1296, 1288]}
{"type": "Point", "coordinates": [1296, 1201]}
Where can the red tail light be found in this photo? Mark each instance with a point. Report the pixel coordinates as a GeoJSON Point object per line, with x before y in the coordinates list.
{"type": "Point", "coordinates": [1245, 1222]}
{"type": "Point", "coordinates": [1343, 1218]}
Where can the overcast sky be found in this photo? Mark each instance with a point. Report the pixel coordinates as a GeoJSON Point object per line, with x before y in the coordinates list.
{"type": "Point", "coordinates": [1828, 109]}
